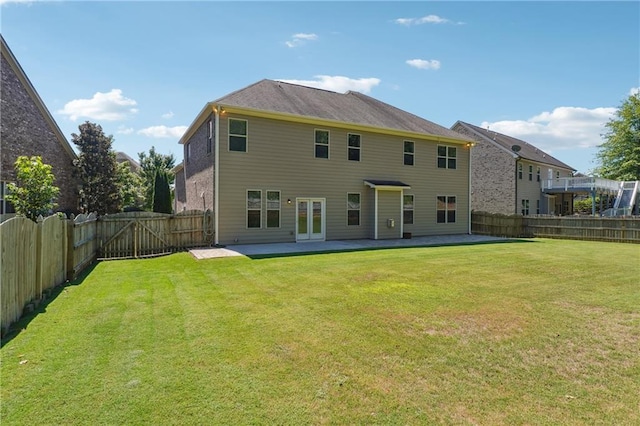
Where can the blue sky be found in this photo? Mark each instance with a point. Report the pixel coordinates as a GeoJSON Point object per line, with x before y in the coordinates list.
{"type": "Point", "coordinates": [550, 73]}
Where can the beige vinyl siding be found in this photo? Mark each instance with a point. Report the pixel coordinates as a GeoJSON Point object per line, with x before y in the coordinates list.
{"type": "Point", "coordinates": [528, 189]}
{"type": "Point", "coordinates": [281, 158]}
{"type": "Point", "coordinates": [389, 208]}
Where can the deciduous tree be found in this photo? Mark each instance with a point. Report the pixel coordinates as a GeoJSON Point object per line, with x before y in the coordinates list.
{"type": "Point", "coordinates": [150, 164]}
{"type": "Point", "coordinates": [34, 193]}
{"type": "Point", "coordinates": [619, 155]}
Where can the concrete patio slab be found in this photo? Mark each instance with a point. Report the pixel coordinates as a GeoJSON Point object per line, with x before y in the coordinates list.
{"type": "Point", "coordinates": [259, 250]}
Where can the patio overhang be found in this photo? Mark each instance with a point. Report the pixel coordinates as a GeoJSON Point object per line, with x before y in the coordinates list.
{"type": "Point", "coordinates": [390, 185]}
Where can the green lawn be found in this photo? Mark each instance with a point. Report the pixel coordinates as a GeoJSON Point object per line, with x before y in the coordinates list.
{"type": "Point", "coordinates": [535, 332]}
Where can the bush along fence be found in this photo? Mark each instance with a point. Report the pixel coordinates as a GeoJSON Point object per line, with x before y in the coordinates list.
{"type": "Point", "coordinates": [623, 229]}
{"type": "Point", "coordinates": [36, 257]}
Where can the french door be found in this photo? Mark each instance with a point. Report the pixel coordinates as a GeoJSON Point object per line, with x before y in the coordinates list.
{"type": "Point", "coordinates": [310, 219]}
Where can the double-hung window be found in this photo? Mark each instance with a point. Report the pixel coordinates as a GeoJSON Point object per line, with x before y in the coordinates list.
{"type": "Point", "coordinates": [538, 174]}
{"type": "Point", "coordinates": [409, 151]}
{"type": "Point", "coordinates": [530, 173]}
{"type": "Point", "coordinates": [353, 147]}
{"type": "Point", "coordinates": [446, 209]}
{"type": "Point", "coordinates": [187, 152]}
{"type": "Point", "coordinates": [447, 157]}
{"type": "Point", "coordinates": [407, 209]}
{"type": "Point", "coordinates": [525, 207]}
{"type": "Point", "coordinates": [254, 208]}
{"type": "Point", "coordinates": [210, 137]}
{"type": "Point", "coordinates": [519, 170]}
{"type": "Point", "coordinates": [238, 135]}
{"type": "Point", "coordinates": [273, 209]}
{"type": "Point", "coordinates": [353, 209]}
{"type": "Point", "coordinates": [322, 144]}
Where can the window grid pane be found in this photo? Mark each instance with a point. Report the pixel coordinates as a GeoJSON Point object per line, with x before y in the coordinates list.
{"type": "Point", "coordinates": [446, 209]}
{"type": "Point", "coordinates": [447, 157]}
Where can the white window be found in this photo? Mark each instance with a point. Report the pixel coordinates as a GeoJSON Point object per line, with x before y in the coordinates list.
{"type": "Point", "coordinates": [446, 209]}
{"type": "Point", "coordinates": [409, 151]}
{"type": "Point", "coordinates": [525, 208]}
{"type": "Point", "coordinates": [210, 137]}
{"type": "Point", "coordinates": [353, 209]}
{"type": "Point", "coordinates": [322, 144]}
{"type": "Point", "coordinates": [530, 173]}
{"type": "Point", "coordinates": [273, 209]}
{"type": "Point", "coordinates": [353, 147]}
{"type": "Point", "coordinates": [519, 170]}
{"type": "Point", "coordinates": [407, 209]}
{"type": "Point", "coordinates": [538, 174]}
{"type": "Point", "coordinates": [254, 209]}
{"type": "Point", "coordinates": [238, 133]}
{"type": "Point", "coordinates": [447, 157]}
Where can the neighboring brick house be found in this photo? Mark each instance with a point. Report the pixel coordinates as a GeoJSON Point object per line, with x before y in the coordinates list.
{"type": "Point", "coordinates": [507, 173]}
{"type": "Point", "coordinates": [27, 128]}
{"type": "Point", "coordinates": [279, 162]}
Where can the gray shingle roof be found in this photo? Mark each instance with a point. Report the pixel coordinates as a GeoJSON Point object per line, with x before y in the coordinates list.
{"type": "Point", "coordinates": [350, 107]}
{"type": "Point", "coordinates": [527, 151]}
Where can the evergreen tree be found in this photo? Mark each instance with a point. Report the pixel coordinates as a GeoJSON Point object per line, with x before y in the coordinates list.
{"type": "Point", "coordinates": [150, 164]}
{"type": "Point", "coordinates": [161, 193]}
{"type": "Point", "coordinates": [34, 193]}
{"type": "Point", "coordinates": [619, 155]}
{"type": "Point", "coordinates": [96, 167]}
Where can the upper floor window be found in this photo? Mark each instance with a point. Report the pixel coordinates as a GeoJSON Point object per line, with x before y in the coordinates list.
{"type": "Point", "coordinates": [530, 172]}
{"type": "Point", "coordinates": [353, 209]}
{"type": "Point", "coordinates": [353, 146]}
{"type": "Point", "coordinates": [254, 209]}
{"type": "Point", "coordinates": [187, 152]}
{"type": "Point", "coordinates": [447, 157]}
{"type": "Point", "coordinates": [519, 170]}
{"type": "Point", "coordinates": [238, 135]}
{"type": "Point", "coordinates": [407, 209]}
{"type": "Point", "coordinates": [446, 209]}
{"type": "Point", "coordinates": [210, 137]}
{"type": "Point", "coordinates": [409, 151]}
{"type": "Point", "coordinates": [273, 209]}
{"type": "Point", "coordinates": [557, 175]}
{"type": "Point", "coordinates": [538, 174]}
{"type": "Point", "coordinates": [322, 144]}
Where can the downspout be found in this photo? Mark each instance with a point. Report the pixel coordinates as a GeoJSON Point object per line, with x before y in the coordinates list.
{"type": "Point", "coordinates": [469, 190]}
{"type": "Point", "coordinates": [216, 178]}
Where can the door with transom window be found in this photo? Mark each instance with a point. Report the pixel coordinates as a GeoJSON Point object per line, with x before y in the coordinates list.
{"type": "Point", "coordinates": [310, 219]}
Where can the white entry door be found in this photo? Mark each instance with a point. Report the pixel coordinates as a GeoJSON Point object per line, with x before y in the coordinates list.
{"type": "Point", "coordinates": [310, 219]}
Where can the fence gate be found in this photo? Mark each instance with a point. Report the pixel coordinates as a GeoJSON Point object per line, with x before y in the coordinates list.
{"type": "Point", "coordinates": [134, 235]}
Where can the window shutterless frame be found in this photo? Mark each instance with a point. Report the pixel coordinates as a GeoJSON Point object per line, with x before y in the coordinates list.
{"type": "Point", "coordinates": [321, 143]}
{"type": "Point", "coordinates": [254, 208]}
{"type": "Point", "coordinates": [446, 209]}
{"type": "Point", "coordinates": [238, 135]}
{"type": "Point", "coordinates": [353, 208]}
{"type": "Point", "coordinates": [447, 157]}
{"type": "Point", "coordinates": [273, 209]}
{"type": "Point", "coordinates": [353, 147]}
{"type": "Point", "coordinates": [409, 150]}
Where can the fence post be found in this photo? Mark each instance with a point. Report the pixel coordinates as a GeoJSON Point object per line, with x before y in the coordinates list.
{"type": "Point", "coordinates": [70, 248]}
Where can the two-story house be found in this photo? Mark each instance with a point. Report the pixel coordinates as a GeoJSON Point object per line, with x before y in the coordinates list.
{"type": "Point", "coordinates": [507, 175]}
{"type": "Point", "coordinates": [28, 129]}
{"type": "Point", "coordinates": [279, 162]}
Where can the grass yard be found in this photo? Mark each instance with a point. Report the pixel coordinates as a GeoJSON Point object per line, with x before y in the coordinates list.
{"type": "Point", "coordinates": [535, 332]}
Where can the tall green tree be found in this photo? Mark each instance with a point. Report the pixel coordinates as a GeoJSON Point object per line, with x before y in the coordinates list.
{"type": "Point", "coordinates": [96, 167]}
{"type": "Point", "coordinates": [150, 164]}
{"type": "Point", "coordinates": [619, 155]}
{"type": "Point", "coordinates": [161, 193]}
{"type": "Point", "coordinates": [34, 193]}
{"type": "Point", "coordinates": [130, 186]}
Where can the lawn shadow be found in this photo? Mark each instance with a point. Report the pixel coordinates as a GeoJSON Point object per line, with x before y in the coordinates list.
{"type": "Point", "coordinates": [40, 307]}
{"type": "Point", "coordinates": [408, 246]}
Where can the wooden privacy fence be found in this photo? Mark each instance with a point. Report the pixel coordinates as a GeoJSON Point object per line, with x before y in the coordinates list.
{"type": "Point", "coordinates": [39, 256]}
{"type": "Point", "coordinates": [34, 260]}
{"type": "Point", "coordinates": [144, 234]}
{"type": "Point", "coordinates": [624, 229]}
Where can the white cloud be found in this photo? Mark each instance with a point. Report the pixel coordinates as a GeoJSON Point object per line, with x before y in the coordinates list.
{"type": "Point", "coordinates": [163, 131]}
{"type": "Point", "coordinates": [423, 64]}
{"type": "Point", "coordinates": [123, 130]}
{"type": "Point", "coordinates": [338, 83]}
{"type": "Point", "coordinates": [634, 91]}
{"type": "Point", "coordinates": [168, 115]}
{"type": "Point", "coordinates": [562, 128]}
{"type": "Point", "coordinates": [429, 19]}
{"type": "Point", "coordinates": [110, 106]}
{"type": "Point", "coordinates": [300, 38]}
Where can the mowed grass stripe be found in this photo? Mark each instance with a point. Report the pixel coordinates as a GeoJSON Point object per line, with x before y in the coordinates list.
{"type": "Point", "coordinates": [535, 332]}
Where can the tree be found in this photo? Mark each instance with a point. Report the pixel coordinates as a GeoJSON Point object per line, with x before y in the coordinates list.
{"type": "Point", "coordinates": [34, 193]}
{"type": "Point", "coordinates": [96, 167]}
{"type": "Point", "coordinates": [150, 164]}
{"type": "Point", "coordinates": [130, 186]}
{"type": "Point", "coordinates": [619, 155]}
{"type": "Point", "coordinates": [161, 193]}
